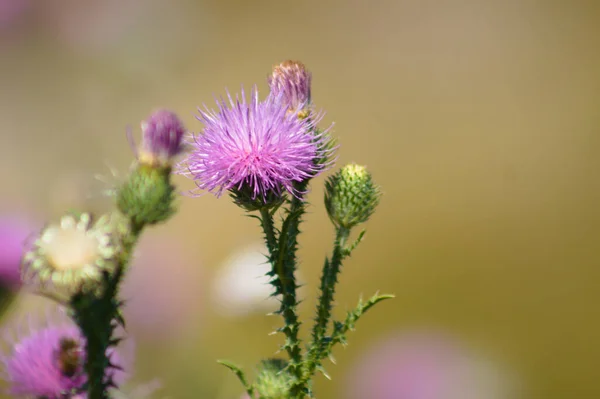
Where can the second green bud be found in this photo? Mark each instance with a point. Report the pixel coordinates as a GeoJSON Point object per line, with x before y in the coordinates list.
{"type": "Point", "coordinates": [351, 196]}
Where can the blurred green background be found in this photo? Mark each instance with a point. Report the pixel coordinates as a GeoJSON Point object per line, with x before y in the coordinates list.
{"type": "Point", "coordinates": [478, 118]}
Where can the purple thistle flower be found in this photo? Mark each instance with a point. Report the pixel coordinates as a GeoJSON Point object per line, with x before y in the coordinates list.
{"type": "Point", "coordinates": [257, 146]}
{"type": "Point", "coordinates": [48, 362]}
{"type": "Point", "coordinates": [162, 138]}
{"type": "Point", "coordinates": [292, 81]}
{"type": "Point", "coordinates": [36, 366]}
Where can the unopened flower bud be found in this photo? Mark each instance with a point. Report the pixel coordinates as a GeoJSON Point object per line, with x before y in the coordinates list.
{"type": "Point", "coordinates": [147, 196]}
{"type": "Point", "coordinates": [273, 381]}
{"type": "Point", "coordinates": [351, 196]}
{"type": "Point", "coordinates": [291, 80]}
{"type": "Point", "coordinates": [162, 138]}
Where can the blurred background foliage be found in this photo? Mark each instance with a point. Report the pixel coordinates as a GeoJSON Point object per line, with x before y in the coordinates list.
{"type": "Point", "coordinates": [478, 118]}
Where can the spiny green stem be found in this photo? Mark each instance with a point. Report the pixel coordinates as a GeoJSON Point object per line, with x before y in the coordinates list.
{"type": "Point", "coordinates": [288, 244]}
{"type": "Point", "coordinates": [331, 269]}
{"type": "Point", "coordinates": [98, 317]}
{"type": "Point", "coordinates": [282, 257]}
{"type": "Point", "coordinates": [98, 334]}
{"type": "Point", "coordinates": [271, 239]}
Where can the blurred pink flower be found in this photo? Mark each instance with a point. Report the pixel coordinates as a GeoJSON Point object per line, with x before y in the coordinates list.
{"type": "Point", "coordinates": [14, 233]}
{"type": "Point", "coordinates": [32, 367]}
{"type": "Point", "coordinates": [424, 366]}
{"type": "Point", "coordinates": [162, 289]}
{"type": "Point", "coordinates": [91, 25]}
{"type": "Point", "coordinates": [11, 10]}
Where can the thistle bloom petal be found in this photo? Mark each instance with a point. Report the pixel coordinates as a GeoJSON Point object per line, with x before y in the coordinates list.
{"type": "Point", "coordinates": [256, 146]}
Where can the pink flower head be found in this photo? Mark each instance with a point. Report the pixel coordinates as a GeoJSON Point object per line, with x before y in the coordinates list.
{"type": "Point", "coordinates": [255, 145]}
{"type": "Point", "coordinates": [35, 368]}
{"type": "Point", "coordinates": [48, 361]}
{"type": "Point", "coordinates": [162, 138]}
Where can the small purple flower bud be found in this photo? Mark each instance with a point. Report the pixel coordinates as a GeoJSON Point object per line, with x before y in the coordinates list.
{"type": "Point", "coordinates": [291, 80]}
{"type": "Point", "coordinates": [162, 138]}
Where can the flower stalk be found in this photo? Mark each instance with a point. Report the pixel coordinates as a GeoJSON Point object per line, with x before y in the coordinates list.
{"type": "Point", "coordinates": [98, 315]}
{"type": "Point", "coordinates": [329, 279]}
{"type": "Point", "coordinates": [288, 245]}
{"type": "Point", "coordinates": [145, 199]}
{"type": "Point", "coordinates": [282, 256]}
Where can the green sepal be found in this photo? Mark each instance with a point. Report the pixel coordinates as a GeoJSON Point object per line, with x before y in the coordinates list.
{"type": "Point", "coordinates": [246, 199]}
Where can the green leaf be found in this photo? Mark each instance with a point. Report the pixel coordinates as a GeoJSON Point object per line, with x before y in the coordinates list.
{"type": "Point", "coordinates": [348, 250]}
{"type": "Point", "coordinates": [341, 328]}
{"type": "Point", "coordinates": [239, 374]}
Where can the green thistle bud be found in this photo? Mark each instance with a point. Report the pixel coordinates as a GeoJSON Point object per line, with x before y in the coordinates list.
{"type": "Point", "coordinates": [351, 196]}
{"type": "Point", "coordinates": [273, 381]}
{"type": "Point", "coordinates": [147, 197]}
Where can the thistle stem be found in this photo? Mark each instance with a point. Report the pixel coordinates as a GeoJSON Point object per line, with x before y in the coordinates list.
{"type": "Point", "coordinates": [283, 261]}
{"type": "Point", "coordinates": [331, 269]}
{"type": "Point", "coordinates": [98, 335]}
{"type": "Point", "coordinates": [271, 240]}
{"type": "Point", "coordinates": [97, 317]}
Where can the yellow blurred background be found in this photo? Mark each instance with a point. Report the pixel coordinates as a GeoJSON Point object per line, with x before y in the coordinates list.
{"type": "Point", "coordinates": [478, 118]}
